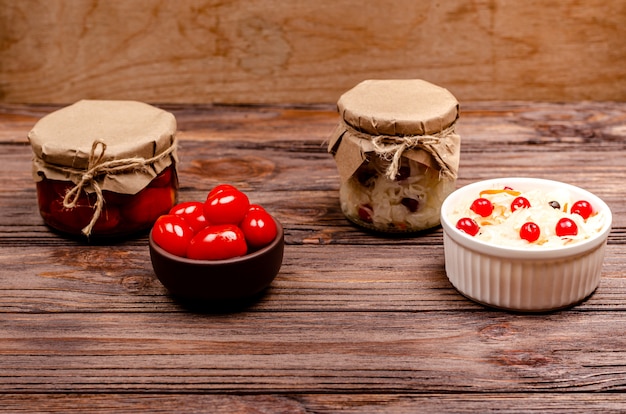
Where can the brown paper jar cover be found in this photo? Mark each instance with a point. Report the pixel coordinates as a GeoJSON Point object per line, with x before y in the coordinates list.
{"type": "Point", "coordinates": [117, 158]}
{"type": "Point", "coordinates": [411, 121]}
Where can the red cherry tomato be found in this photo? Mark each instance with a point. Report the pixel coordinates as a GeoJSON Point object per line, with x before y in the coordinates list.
{"type": "Point", "coordinates": [192, 212]}
{"type": "Point", "coordinates": [217, 242]}
{"type": "Point", "coordinates": [51, 191]}
{"type": "Point", "coordinates": [148, 204]}
{"type": "Point", "coordinates": [173, 234]}
{"type": "Point", "coordinates": [482, 207]}
{"type": "Point", "coordinates": [226, 207]}
{"type": "Point", "coordinates": [222, 187]}
{"type": "Point", "coordinates": [76, 218]}
{"type": "Point", "coordinates": [530, 231]}
{"type": "Point", "coordinates": [45, 196]}
{"type": "Point", "coordinates": [583, 208]}
{"type": "Point", "coordinates": [566, 227]}
{"type": "Point", "coordinates": [520, 202]}
{"type": "Point", "coordinates": [259, 228]}
{"type": "Point", "coordinates": [468, 226]}
{"type": "Point", "coordinates": [163, 179]}
{"type": "Point", "coordinates": [61, 188]}
{"type": "Point", "coordinates": [71, 218]}
{"type": "Point", "coordinates": [108, 220]}
{"type": "Point", "coordinates": [254, 207]}
{"type": "Point", "coordinates": [118, 199]}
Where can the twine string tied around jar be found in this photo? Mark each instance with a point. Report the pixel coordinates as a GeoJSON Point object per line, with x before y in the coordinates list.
{"type": "Point", "coordinates": [96, 169]}
{"type": "Point", "coordinates": [392, 147]}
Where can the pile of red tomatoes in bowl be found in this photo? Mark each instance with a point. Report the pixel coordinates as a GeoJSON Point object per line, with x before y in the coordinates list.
{"type": "Point", "coordinates": [224, 226]}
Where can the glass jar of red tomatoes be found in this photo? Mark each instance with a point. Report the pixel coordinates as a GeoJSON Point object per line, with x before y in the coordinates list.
{"type": "Point", "coordinates": [105, 168]}
{"type": "Point", "coordinates": [397, 153]}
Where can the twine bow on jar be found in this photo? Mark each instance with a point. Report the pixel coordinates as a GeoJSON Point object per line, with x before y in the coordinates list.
{"type": "Point", "coordinates": [97, 170]}
{"type": "Point", "coordinates": [392, 147]}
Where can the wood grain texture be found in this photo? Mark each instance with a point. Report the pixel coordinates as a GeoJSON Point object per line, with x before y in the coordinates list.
{"type": "Point", "coordinates": [540, 403]}
{"type": "Point", "coordinates": [268, 51]}
{"type": "Point", "coordinates": [354, 322]}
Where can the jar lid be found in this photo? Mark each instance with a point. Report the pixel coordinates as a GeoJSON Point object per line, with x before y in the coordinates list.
{"type": "Point", "coordinates": [392, 119]}
{"type": "Point", "coordinates": [63, 142]}
{"type": "Point", "coordinates": [399, 107]}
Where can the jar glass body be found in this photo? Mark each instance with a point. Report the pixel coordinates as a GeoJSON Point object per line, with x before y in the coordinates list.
{"type": "Point", "coordinates": [410, 202]}
{"type": "Point", "coordinates": [122, 214]}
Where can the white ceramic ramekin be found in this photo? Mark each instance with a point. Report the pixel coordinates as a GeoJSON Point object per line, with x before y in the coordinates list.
{"type": "Point", "coordinates": [520, 279]}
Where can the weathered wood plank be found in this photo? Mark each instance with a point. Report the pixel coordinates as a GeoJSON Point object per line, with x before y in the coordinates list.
{"type": "Point", "coordinates": [351, 352]}
{"type": "Point", "coordinates": [114, 279]}
{"type": "Point", "coordinates": [318, 403]}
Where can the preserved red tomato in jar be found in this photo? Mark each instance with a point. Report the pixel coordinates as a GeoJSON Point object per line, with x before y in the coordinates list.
{"type": "Point", "coordinates": [105, 168]}
{"type": "Point", "coordinates": [397, 153]}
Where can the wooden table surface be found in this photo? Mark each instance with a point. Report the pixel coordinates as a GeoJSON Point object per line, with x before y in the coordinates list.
{"type": "Point", "coordinates": [354, 322]}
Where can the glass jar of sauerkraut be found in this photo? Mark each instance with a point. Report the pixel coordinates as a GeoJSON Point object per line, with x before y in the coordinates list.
{"type": "Point", "coordinates": [104, 168]}
{"type": "Point", "coordinates": [397, 153]}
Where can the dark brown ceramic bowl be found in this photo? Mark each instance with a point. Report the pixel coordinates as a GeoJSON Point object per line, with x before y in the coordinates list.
{"type": "Point", "coordinates": [220, 281]}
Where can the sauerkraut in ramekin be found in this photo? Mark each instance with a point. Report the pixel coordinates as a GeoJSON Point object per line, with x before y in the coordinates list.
{"type": "Point", "coordinates": [548, 210]}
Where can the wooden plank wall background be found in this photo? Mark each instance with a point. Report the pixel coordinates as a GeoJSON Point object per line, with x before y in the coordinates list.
{"type": "Point", "coordinates": [303, 51]}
